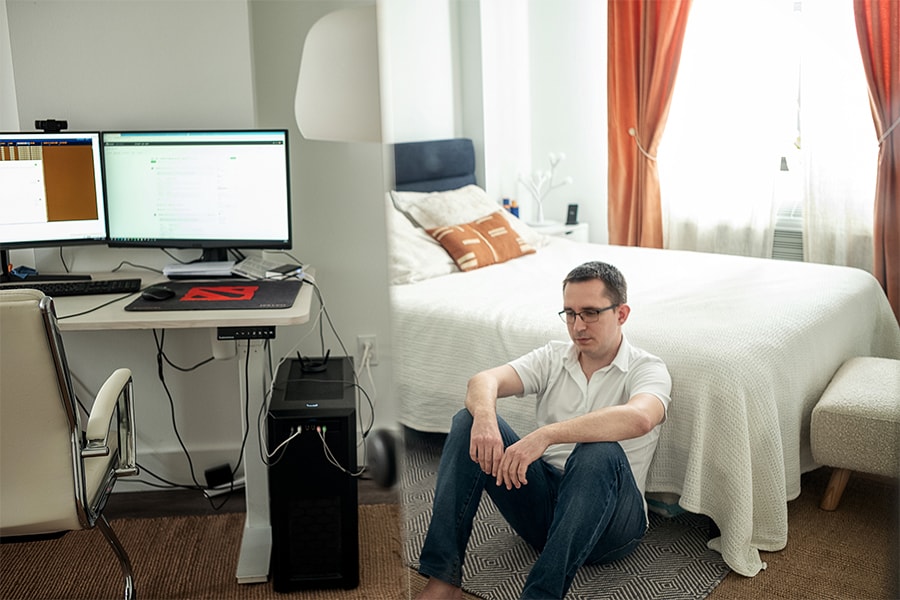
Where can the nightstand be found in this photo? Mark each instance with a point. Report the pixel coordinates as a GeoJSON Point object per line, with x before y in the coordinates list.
{"type": "Point", "coordinates": [577, 233]}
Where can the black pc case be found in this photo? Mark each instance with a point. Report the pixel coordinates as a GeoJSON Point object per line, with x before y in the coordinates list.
{"type": "Point", "coordinates": [312, 502]}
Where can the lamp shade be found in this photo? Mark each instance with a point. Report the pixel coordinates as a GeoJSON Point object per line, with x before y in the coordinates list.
{"type": "Point", "coordinates": [338, 91]}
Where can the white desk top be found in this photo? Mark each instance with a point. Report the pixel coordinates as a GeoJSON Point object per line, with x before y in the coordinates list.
{"type": "Point", "coordinates": [114, 316]}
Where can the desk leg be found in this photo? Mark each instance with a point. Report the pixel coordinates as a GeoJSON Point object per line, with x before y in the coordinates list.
{"type": "Point", "coordinates": [256, 544]}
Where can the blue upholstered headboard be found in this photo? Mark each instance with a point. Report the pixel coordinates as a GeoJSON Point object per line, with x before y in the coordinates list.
{"type": "Point", "coordinates": [434, 166]}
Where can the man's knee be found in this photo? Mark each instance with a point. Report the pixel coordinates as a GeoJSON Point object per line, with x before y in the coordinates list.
{"type": "Point", "coordinates": [462, 419]}
{"type": "Point", "coordinates": [596, 456]}
{"type": "Point", "coordinates": [460, 431]}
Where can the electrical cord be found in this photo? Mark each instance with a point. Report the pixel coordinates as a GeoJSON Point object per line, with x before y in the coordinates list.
{"type": "Point", "coordinates": [94, 308]}
{"type": "Point", "coordinates": [161, 360]}
{"type": "Point", "coordinates": [329, 456]}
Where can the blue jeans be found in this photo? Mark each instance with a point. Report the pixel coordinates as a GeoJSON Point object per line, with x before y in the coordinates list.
{"type": "Point", "coordinates": [593, 513]}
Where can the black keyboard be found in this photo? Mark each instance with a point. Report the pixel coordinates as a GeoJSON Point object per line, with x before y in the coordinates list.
{"type": "Point", "coordinates": [79, 287]}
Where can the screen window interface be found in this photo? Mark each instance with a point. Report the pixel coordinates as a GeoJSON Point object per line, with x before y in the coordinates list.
{"type": "Point", "coordinates": [50, 189]}
{"type": "Point", "coordinates": [197, 186]}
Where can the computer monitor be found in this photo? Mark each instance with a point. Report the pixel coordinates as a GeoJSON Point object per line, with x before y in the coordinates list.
{"type": "Point", "coordinates": [212, 190]}
{"type": "Point", "coordinates": [51, 191]}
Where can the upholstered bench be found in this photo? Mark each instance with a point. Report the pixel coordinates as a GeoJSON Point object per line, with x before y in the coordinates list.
{"type": "Point", "coordinates": [856, 423]}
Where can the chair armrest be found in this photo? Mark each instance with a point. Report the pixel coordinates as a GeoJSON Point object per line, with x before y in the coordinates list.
{"type": "Point", "coordinates": [102, 412]}
{"type": "Point", "coordinates": [105, 403]}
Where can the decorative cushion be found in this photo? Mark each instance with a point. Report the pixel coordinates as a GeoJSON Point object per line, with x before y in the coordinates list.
{"type": "Point", "coordinates": [462, 205]}
{"type": "Point", "coordinates": [856, 423]}
{"type": "Point", "coordinates": [485, 241]}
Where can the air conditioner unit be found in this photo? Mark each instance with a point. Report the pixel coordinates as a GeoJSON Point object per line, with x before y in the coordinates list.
{"type": "Point", "coordinates": [787, 241]}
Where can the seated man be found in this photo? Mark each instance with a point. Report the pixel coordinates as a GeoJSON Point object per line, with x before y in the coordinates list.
{"type": "Point", "coordinates": [574, 487]}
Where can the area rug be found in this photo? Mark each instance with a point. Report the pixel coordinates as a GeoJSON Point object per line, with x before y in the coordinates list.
{"type": "Point", "coordinates": [671, 562]}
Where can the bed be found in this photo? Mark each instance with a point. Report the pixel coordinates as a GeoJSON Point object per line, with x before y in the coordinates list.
{"type": "Point", "coordinates": [750, 343]}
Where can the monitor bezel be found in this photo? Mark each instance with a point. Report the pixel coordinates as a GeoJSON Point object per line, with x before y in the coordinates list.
{"type": "Point", "coordinates": [100, 188]}
{"type": "Point", "coordinates": [216, 247]}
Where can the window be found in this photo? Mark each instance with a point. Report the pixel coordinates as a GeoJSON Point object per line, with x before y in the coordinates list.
{"type": "Point", "coordinates": [764, 86]}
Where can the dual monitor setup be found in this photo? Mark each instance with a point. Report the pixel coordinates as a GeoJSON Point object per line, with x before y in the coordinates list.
{"type": "Point", "coordinates": [211, 190]}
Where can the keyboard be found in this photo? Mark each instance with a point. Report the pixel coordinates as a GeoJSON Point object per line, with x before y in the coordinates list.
{"type": "Point", "coordinates": [80, 287]}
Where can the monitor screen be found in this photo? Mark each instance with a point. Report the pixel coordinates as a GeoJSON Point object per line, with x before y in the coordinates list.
{"type": "Point", "coordinates": [51, 190]}
{"type": "Point", "coordinates": [211, 190]}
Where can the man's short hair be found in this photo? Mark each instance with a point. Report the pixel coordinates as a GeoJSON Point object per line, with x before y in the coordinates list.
{"type": "Point", "coordinates": [612, 278]}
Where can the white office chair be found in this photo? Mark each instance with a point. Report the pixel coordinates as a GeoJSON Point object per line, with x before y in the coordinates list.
{"type": "Point", "coordinates": [55, 476]}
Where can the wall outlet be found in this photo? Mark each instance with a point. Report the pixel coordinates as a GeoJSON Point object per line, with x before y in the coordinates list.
{"type": "Point", "coordinates": [361, 342]}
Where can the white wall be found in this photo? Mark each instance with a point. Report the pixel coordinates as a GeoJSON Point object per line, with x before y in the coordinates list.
{"type": "Point", "coordinates": [219, 63]}
{"type": "Point", "coordinates": [568, 105]}
{"type": "Point", "coordinates": [419, 95]}
{"type": "Point", "coordinates": [9, 118]}
{"type": "Point", "coordinates": [539, 86]}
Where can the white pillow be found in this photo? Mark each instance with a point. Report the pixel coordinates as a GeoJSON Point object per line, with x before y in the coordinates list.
{"type": "Point", "coordinates": [463, 205]}
{"type": "Point", "coordinates": [413, 255]}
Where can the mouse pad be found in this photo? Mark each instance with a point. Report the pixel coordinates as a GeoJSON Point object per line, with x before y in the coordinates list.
{"type": "Point", "coordinates": [223, 295]}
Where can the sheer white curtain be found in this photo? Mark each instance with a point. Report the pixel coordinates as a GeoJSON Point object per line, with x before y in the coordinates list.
{"type": "Point", "coordinates": [733, 116]}
{"type": "Point", "coordinates": [840, 150]}
{"type": "Point", "coordinates": [759, 81]}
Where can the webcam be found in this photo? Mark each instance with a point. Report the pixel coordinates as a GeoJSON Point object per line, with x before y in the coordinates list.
{"type": "Point", "coordinates": [51, 125]}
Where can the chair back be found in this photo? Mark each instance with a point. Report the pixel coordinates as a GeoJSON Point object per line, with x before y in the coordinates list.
{"type": "Point", "coordinates": [41, 472]}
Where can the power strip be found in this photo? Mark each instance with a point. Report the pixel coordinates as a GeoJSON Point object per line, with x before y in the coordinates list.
{"type": "Point", "coordinates": [247, 332]}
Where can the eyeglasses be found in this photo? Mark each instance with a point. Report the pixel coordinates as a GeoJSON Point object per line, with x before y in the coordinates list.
{"type": "Point", "coordinates": [588, 315]}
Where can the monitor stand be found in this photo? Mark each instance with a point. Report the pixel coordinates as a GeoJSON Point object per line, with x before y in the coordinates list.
{"type": "Point", "coordinates": [213, 264]}
{"type": "Point", "coordinates": [7, 276]}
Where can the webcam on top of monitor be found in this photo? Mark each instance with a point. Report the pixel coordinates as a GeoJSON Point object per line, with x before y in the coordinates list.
{"type": "Point", "coordinates": [51, 125]}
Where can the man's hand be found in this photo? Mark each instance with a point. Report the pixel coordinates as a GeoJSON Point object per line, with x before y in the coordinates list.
{"type": "Point", "coordinates": [517, 459]}
{"type": "Point", "coordinates": [486, 445]}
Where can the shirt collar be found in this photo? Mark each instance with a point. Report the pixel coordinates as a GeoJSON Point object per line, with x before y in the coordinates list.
{"type": "Point", "coordinates": [620, 361]}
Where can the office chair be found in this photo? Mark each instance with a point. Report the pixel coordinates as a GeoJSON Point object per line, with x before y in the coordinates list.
{"type": "Point", "coordinates": [55, 476]}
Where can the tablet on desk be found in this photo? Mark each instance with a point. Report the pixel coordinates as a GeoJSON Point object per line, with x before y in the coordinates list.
{"type": "Point", "coordinates": [223, 295]}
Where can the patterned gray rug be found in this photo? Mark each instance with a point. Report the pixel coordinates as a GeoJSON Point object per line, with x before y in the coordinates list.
{"type": "Point", "coordinates": [671, 562]}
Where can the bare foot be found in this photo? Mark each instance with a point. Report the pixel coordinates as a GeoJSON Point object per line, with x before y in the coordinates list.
{"type": "Point", "coordinates": [436, 589]}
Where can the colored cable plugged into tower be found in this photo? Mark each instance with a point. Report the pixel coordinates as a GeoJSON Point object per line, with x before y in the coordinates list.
{"type": "Point", "coordinates": [295, 432]}
{"type": "Point", "coordinates": [321, 430]}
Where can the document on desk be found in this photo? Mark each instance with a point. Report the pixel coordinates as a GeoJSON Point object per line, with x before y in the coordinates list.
{"type": "Point", "coordinates": [223, 295]}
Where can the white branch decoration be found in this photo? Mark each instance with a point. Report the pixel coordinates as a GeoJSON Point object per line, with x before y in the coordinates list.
{"type": "Point", "coordinates": [541, 183]}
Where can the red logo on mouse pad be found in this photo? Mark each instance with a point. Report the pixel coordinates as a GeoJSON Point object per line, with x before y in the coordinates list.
{"type": "Point", "coordinates": [219, 293]}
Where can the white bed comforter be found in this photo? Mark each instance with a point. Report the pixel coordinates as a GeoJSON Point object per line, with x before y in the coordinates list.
{"type": "Point", "coordinates": [750, 343]}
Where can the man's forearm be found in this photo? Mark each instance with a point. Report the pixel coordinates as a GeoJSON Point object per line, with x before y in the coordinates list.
{"type": "Point", "coordinates": [481, 400]}
{"type": "Point", "coordinates": [610, 424]}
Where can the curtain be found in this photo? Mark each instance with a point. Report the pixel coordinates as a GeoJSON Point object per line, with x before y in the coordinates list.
{"type": "Point", "coordinates": [839, 149]}
{"type": "Point", "coordinates": [734, 115]}
{"type": "Point", "coordinates": [878, 28]}
{"type": "Point", "coordinates": [645, 39]}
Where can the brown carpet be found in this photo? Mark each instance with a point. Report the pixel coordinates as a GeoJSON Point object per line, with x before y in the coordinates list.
{"type": "Point", "coordinates": [186, 557]}
{"type": "Point", "coordinates": [849, 553]}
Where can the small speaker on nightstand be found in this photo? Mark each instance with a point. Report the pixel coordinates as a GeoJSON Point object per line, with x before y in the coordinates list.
{"type": "Point", "coordinates": [572, 215]}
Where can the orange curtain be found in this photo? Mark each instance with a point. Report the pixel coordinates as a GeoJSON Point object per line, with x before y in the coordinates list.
{"type": "Point", "coordinates": [644, 47]}
{"type": "Point", "coordinates": [878, 28]}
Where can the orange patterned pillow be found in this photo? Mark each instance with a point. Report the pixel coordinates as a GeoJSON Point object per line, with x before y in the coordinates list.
{"type": "Point", "coordinates": [485, 241]}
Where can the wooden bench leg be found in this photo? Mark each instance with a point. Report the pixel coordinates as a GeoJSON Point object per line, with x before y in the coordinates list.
{"type": "Point", "coordinates": [832, 496]}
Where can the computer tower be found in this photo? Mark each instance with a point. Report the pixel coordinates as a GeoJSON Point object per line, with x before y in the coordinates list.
{"type": "Point", "coordinates": [313, 503]}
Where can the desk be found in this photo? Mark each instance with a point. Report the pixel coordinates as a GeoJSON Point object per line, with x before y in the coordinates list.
{"type": "Point", "coordinates": [256, 543]}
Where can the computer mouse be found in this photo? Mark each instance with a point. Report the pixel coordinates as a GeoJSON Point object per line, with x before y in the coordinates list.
{"type": "Point", "coordinates": [157, 293]}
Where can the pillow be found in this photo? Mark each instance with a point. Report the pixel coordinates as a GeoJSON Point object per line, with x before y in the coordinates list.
{"type": "Point", "coordinates": [413, 255]}
{"type": "Point", "coordinates": [485, 241]}
{"type": "Point", "coordinates": [463, 205]}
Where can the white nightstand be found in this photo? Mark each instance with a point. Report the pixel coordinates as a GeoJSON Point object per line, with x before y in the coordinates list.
{"type": "Point", "coordinates": [577, 233]}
